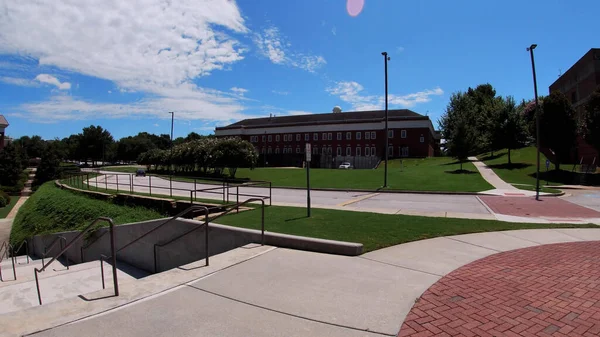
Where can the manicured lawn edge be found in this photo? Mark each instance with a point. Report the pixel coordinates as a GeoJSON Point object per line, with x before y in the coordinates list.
{"type": "Point", "coordinates": [4, 211]}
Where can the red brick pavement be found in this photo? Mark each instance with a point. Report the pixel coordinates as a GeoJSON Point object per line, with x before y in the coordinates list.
{"type": "Point", "coordinates": [550, 290]}
{"type": "Point", "coordinates": [546, 207]}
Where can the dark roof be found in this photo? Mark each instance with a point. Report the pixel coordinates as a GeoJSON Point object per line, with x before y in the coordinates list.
{"type": "Point", "coordinates": [596, 52]}
{"type": "Point", "coordinates": [3, 121]}
{"type": "Point", "coordinates": [327, 118]}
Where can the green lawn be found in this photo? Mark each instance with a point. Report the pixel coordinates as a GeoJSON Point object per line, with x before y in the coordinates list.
{"type": "Point", "coordinates": [373, 230]}
{"type": "Point", "coordinates": [51, 209]}
{"type": "Point", "coordinates": [522, 170]}
{"type": "Point", "coordinates": [5, 210]}
{"type": "Point", "coordinates": [429, 174]}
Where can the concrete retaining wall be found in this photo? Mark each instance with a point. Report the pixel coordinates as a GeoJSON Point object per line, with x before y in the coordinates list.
{"type": "Point", "coordinates": [188, 248]}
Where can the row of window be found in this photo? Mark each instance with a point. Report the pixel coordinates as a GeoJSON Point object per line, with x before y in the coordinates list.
{"type": "Point", "coordinates": [369, 151]}
{"type": "Point", "coordinates": [325, 136]}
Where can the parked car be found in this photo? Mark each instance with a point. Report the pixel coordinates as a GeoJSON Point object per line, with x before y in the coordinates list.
{"type": "Point", "coordinates": [346, 166]}
{"type": "Point", "coordinates": [140, 173]}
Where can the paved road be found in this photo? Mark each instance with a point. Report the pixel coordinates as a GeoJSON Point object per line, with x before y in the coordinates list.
{"type": "Point", "coordinates": [391, 203]}
{"type": "Point", "coordinates": [295, 293]}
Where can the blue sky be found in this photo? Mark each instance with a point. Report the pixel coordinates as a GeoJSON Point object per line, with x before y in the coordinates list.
{"type": "Point", "coordinates": [124, 65]}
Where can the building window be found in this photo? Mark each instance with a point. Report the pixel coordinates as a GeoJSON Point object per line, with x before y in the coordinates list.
{"type": "Point", "coordinates": [270, 138]}
{"type": "Point", "coordinates": [367, 151]}
{"type": "Point", "coordinates": [276, 150]}
{"type": "Point", "coordinates": [324, 136]}
{"type": "Point", "coordinates": [263, 150]}
{"type": "Point", "coordinates": [329, 150]}
{"type": "Point", "coordinates": [329, 136]}
{"type": "Point", "coordinates": [373, 151]}
{"type": "Point", "coordinates": [277, 138]}
{"type": "Point", "coordinates": [298, 137]}
{"type": "Point", "coordinates": [348, 151]}
{"type": "Point", "coordinates": [290, 137]}
{"type": "Point", "coordinates": [367, 135]}
{"type": "Point", "coordinates": [339, 136]}
{"type": "Point", "coordinates": [269, 150]}
{"type": "Point", "coordinates": [285, 138]}
{"type": "Point", "coordinates": [358, 152]}
{"type": "Point", "coordinates": [339, 151]}
{"type": "Point", "coordinates": [264, 138]}
{"type": "Point", "coordinates": [306, 137]}
{"type": "Point", "coordinates": [390, 151]}
{"type": "Point", "coordinates": [404, 151]}
{"type": "Point", "coordinates": [372, 134]}
{"type": "Point", "coordinates": [315, 150]}
{"type": "Point", "coordinates": [348, 135]}
{"type": "Point", "coordinates": [403, 134]}
{"type": "Point", "coordinates": [298, 150]}
{"type": "Point", "coordinates": [422, 139]}
{"type": "Point", "coordinates": [358, 135]}
{"type": "Point", "coordinates": [315, 136]}
{"type": "Point", "coordinates": [391, 133]}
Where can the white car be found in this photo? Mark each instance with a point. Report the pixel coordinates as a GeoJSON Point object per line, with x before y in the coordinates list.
{"type": "Point", "coordinates": [346, 166]}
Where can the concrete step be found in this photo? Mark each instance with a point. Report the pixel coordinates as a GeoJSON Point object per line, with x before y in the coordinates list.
{"type": "Point", "coordinates": [21, 260]}
{"type": "Point", "coordinates": [55, 286]}
{"type": "Point", "coordinates": [25, 272]}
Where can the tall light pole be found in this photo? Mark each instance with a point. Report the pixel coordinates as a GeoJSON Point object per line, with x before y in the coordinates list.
{"type": "Point", "coordinates": [387, 136]}
{"type": "Point", "coordinates": [537, 124]}
{"type": "Point", "coordinates": [171, 156]}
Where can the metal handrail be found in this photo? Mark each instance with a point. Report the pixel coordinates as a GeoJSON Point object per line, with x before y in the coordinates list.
{"type": "Point", "coordinates": [79, 236]}
{"type": "Point", "coordinates": [236, 206]}
{"type": "Point", "coordinates": [26, 250]}
{"type": "Point", "coordinates": [60, 239]}
{"type": "Point", "coordinates": [6, 246]}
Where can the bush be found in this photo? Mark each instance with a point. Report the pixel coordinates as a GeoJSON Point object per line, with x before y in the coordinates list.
{"type": "Point", "coordinates": [3, 202]}
{"type": "Point", "coordinates": [4, 196]}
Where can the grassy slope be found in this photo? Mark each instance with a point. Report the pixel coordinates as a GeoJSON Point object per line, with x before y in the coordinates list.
{"type": "Point", "coordinates": [521, 171]}
{"type": "Point", "coordinates": [5, 210]}
{"type": "Point", "coordinates": [373, 230]}
{"type": "Point", "coordinates": [429, 174]}
{"type": "Point", "coordinates": [51, 209]}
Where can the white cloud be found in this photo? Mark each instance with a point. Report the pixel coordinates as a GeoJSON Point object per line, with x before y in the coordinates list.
{"type": "Point", "coordinates": [299, 112]}
{"type": "Point", "coordinates": [334, 31]}
{"type": "Point", "coordinates": [352, 92]}
{"type": "Point", "coordinates": [272, 44]}
{"type": "Point", "coordinates": [239, 91]}
{"type": "Point", "coordinates": [399, 49]}
{"type": "Point", "coordinates": [110, 91]}
{"type": "Point", "coordinates": [23, 82]}
{"type": "Point", "coordinates": [156, 124]}
{"type": "Point", "coordinates": [282, 93]}
{"type": "Point", "coordinates": [49, 79]}
{"type": "Point", "coordinates": [149, 46]}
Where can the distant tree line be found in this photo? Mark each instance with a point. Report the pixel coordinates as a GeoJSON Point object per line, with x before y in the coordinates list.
{"type": "Point", "coordinates": [479, 121]}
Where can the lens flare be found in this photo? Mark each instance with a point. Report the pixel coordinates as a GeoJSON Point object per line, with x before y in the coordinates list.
{"type": "Point", "coordinates": [354, 7]}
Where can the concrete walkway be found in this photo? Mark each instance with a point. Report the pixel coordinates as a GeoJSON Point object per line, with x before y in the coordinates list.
{"type": "Point", "coordinates": [285, 292]}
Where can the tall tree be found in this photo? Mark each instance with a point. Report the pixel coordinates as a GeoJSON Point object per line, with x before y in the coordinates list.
{"type": "Point", "coordinates": [96, 142]}
{"type": "Point", "coordinates": [10, 166]}
{"type": "Point", "coordinates": [458, 128]}
{"type": "Point", "coordinates": [591, 121]}
{"type": "Point", "coordinates": [49, 168]}
{"type": "Point", "coordinates": [511, 128]}
{"type": "Point", "coordinates": [558, 129]}
{"type": "Point", "coordinates": [485, 106]}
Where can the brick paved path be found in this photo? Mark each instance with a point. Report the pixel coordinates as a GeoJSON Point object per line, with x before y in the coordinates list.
{"type": "Point", "coordinates": [546, 207]}
{"type": "Point", "coordinates": [550, 290]}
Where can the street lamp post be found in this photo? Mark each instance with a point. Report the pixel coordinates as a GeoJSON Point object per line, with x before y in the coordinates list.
{"type": "Point", "coordinates": [387, 136]}
{"type": "Point", "coordinates": [171, 156]}
{"type": "Point", "coordinates": [537, 123]}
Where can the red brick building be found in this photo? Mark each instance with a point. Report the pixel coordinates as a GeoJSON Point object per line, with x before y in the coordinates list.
{"type": "Point", "coordinates": [3, 126]}
{"type": "Point", "coordinates": [578, 83]}
{"type": "Point", "coordinates": [340, 136]}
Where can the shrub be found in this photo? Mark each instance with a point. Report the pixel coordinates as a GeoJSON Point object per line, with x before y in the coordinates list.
{"type": "Point", "coordinates": [5, 197]}
{"type": "Point", "coordinates": [3, 202]}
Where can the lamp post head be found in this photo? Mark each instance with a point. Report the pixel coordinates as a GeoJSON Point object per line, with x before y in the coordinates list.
{"type": "Point", "coordinates": [384, 53]}
{"type": "Point", "coordinates": [532, 47]}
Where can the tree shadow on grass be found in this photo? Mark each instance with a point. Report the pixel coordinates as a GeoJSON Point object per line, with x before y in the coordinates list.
{"type": "Point", "coordinates": [513, 166]}
{"type": "Point", "coordinates": [496, 156]}
{"type": "Point", "coordinates": [457, 162]}
{"type": "Point", "coordinates": [298, 218]}
{"type": "Point", "coordinates": [461, 172]}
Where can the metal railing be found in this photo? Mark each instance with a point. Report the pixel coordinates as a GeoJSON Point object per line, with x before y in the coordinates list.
{"type": "Point", "coordinates": [24, 243]}
{"type": "Point", "coordinates": [250, 184]}
{"type": "Point", "coordinates": [173, 218]}
{"type": "Point", "coordinates": [63, 243]}
{"type": "Point", "coordinates": [75, 239]}
{"type": "Point", "coordinates": [231, 208]}
{"type": "Point", "coordinates": [5, 253]}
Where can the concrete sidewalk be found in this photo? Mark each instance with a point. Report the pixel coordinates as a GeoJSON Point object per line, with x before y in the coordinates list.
{"type": "Point", "coordinates": [295, 293]}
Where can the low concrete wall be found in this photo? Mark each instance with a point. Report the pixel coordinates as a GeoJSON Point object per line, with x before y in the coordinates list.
{"type": "Point", "coordinates": [188, 248]}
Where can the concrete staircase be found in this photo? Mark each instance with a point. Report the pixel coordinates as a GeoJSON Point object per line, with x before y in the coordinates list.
{"type": "Point", "coordinates": [56, 282]}
{"type": "Point", "coordinates": [27, 189]}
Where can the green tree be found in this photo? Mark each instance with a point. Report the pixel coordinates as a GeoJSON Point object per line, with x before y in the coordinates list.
{"type": "Point", "coordinates": [49, 168]}
{"type": "Point", "coordinates": [558, 129]}
{"type": "Point", "coordinates": [95, 143]}
{"type": "Point", "coordinates": [458, 129]}
{"type": "Point", "coordinates": [483, 114]}
{"type": "Point", "coordinates": [10, 166]}
{"type": "Point", "coordinates": [232, 153]}
{"type": "Point", "coordinates": [511, 129]}
{"type": "Point", "coordinates": [591, 121]}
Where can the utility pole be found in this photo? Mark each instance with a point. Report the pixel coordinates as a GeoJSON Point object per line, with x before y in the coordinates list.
{"type": "Point", "coordinates": [387, 136]}
{"type": "Point", "coordinates": [537, 123]}
{"type": "Point", "coordinates": [171, 156]}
